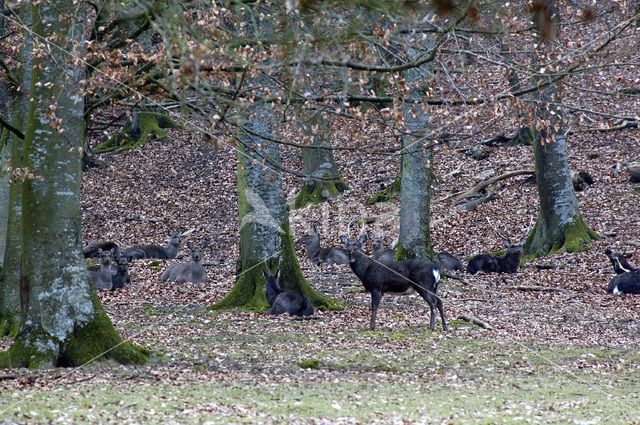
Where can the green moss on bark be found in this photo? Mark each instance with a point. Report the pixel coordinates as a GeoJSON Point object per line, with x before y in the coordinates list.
{"type": "Point", "coordinates": [313, 193]}
{"type": "Point", "coordinates": [145, 126]}
{"type": "Point", "coordinates": [388, 193]}
{"type": "Point", "coordinates": [9, 325]}
{"type": "Point", "coordinates": [95, 340]}
{"type": "Point", "coordinates": [572, 238]}
{"type": "Point", "coordinates": [248, 292]}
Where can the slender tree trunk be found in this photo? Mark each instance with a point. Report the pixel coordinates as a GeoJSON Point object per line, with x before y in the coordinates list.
{"type": "Point", "coordinates": [322, 178]}
{"type": "Point", "coordinates": [265, 234]}
{"type": "Point", "coordinates": [414, 239]}
{"type": "Point", "coordinates": [63, 323]}
{"type": "Point", "coordinates": [560, 226]}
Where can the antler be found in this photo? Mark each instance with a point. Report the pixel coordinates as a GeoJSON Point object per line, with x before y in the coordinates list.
{"type": "Point", "coordinates": [500, 235]}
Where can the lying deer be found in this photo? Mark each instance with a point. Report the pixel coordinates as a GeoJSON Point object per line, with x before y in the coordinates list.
{"type": "Point", "coordinates": [386, 255]}
{"type": "Point", "coordinates": [91, 249]}
{"type": "Point", "coordinates": [627, 278]}
{"type": "Point", "coordinates": [156, 251]}
{"type": "Point", "coordinates": [193, 271]}
{"type": "Point", "coordinates": [507, 263]}
{"type": "Point", "coordinates": [120, 278]}
{"type": "Point", "coordinates": [316, 254]}
{"type": "Point", "coordinates": [285, 300]}
{"type": "Point", "coordinates": [100, 276]}
{"type": "Point", "coordinates": [399, 277]}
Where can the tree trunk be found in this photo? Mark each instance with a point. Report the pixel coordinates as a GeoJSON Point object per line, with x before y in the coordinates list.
{"type": "Point", "coordinates": [17, 112]}
{"type": "Point", "coordinates": [63, 323]}
{"type": "Point", "coordinates": [414, 239]}
{"type": "Point", "coordinates": [322, 178]}
{"type": "Point", "coordinates": [560, 226]}
{"type": "Point", "coordinates": [265, 235]}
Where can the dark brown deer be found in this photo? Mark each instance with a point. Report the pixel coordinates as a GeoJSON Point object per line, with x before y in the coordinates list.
{"type": "Point", "coordinates": [316, 254]}
{"type": "Point", "coordinates": [627, 278]}
{"type": "Point", "coordinates": [285, 300]}
{"type": "Point", "coordinates": [156, 251]}
{"type": "Point", "coordinates": [91, 249]}
{"type": "Point", "coordinates": [399, 277]}
{"type": "Point", "coordinates": [386, 255]}
{"type": "Point", "coordinates": [507, 263]}
{"type": "Point", "coordinates": [120, 278]}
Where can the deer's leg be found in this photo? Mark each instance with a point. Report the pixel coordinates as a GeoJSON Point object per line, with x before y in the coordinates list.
{"type": "Point", "coordinates": [376, 295]}
{"type": "Point", "coordinates": [444, 322]}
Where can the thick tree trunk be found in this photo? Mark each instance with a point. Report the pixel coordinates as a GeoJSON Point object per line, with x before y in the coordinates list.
{"type": "Point", "coordinates": [18, 109]}
{"type": "Point", "coordinates": [414, 239]}
{"type": "Point", "coordinates": [560, 226]}
{"type": "Point", "coordinates": [63, 323]}
{"type": "Point", "coordinates": [265, 235]}
{"type": "Point", "coordinates": [322, 178]}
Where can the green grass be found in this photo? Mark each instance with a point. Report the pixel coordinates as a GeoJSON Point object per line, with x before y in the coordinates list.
{"type": "Point", "coordinates": [266, 371]}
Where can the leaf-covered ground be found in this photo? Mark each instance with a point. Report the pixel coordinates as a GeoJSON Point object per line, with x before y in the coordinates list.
{"type": "Point", "coordinates": [565, 354]}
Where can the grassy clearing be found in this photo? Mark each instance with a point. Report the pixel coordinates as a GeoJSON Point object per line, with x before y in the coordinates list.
{"type": "Point", "coordinates": [263, 370]}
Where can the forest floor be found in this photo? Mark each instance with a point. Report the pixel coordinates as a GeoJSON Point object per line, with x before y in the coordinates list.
{"type": "Point", "coordinates": [566, 354]}
{"type": "Point", "coordinates": [561, 350]}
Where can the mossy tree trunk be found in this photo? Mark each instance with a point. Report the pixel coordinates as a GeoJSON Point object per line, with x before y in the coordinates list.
{"type": "Point", "coordinates": [559, 226]}
{"type": "Point", "coordinates": [414, 239]}
{"type": "Point", "coordinates": [17, 111]}
{"type": "Point", "coordinates": [265, 236]}
{"type": "Point", "coordinates": [62, 321]}
{"type": "Point", "coordinates": [322, 178]}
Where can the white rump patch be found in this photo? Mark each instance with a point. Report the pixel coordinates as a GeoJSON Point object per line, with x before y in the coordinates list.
{"type": "Point", "coordinates": [616, 291]}
{"type": "Point", "coordinates": [436, 274]}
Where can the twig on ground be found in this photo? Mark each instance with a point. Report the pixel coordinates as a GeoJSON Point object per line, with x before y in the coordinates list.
{"type": "Point", "coordinates": [476, 321]}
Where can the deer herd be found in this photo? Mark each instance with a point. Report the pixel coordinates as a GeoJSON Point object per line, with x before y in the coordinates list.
{"type": "Point", "coordinates": [379, 273]}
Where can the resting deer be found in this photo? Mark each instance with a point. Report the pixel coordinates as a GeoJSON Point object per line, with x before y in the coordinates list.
{"type": "Point", "coordinates": [285, 300]}
{"type": "Point", "coordinates": [91, 249]}
{"type": "Point", "coordinates": [449, 262]}
{"type": "Point", "coordinates": [399, 277]}
{"type": "Point", "coordinates": [193, 271]}
{"type": "Point", "coordinates": [380, 252]}
{"type": "Point", "coordinates": [156, 251]}
{"type": "Point", "coordinates": [316, 254]}
{"type": "Point", "coordinates": [627, 278]}
{"type": "Point", "coordinates": [100, 276]}
{"type": "Point", "coordinates": [507, 263]}
{"type": "Point", "coordinates": [386, 255]}
{"type": "Point", "coordinates": [120, 278]}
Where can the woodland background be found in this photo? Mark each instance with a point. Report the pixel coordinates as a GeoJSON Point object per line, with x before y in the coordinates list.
{"type": "Point", "coordinates": [560, 349]}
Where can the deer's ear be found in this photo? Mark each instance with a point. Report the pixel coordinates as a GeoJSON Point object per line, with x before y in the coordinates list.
{"type": "Point", "coordinates": [344, 239]}
{"type": "Point", "coordinates": [362, 239]}
{"type": "Point", "coordinates": [277, 274]}
{"type": "Point", "coordinates": [265, 274]}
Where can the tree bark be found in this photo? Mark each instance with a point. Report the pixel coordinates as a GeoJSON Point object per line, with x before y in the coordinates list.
{"type": "Point", "coordinates": [63, 323]}
{"type": "Point", "coordinates": [560, 226]}
{"type": "Point", "coordinates": [17, 112]}
{"type": "Point", "coordinates": [322, 178]}
{"type": "Point", "coordinates": [414, 238]}
{"type": "Point", "coordinates": [265, 234]}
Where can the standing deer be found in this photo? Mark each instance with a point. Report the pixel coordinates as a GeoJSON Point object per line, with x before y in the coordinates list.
{"type": "Point", "coordinates": [100, 276]}
{"type": "Point", "coordinates": [399, 277]}
{"type": "Point", "coordinates": [316, 254]}
{"type": "Point", "coordinates": [285, 300]}
{"type": "Point", "coordinates": [156, 251]}
{"type": "Point", "coordinates": [193, 271]}
{"type": "Point", "coordinates": [627, 278]}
